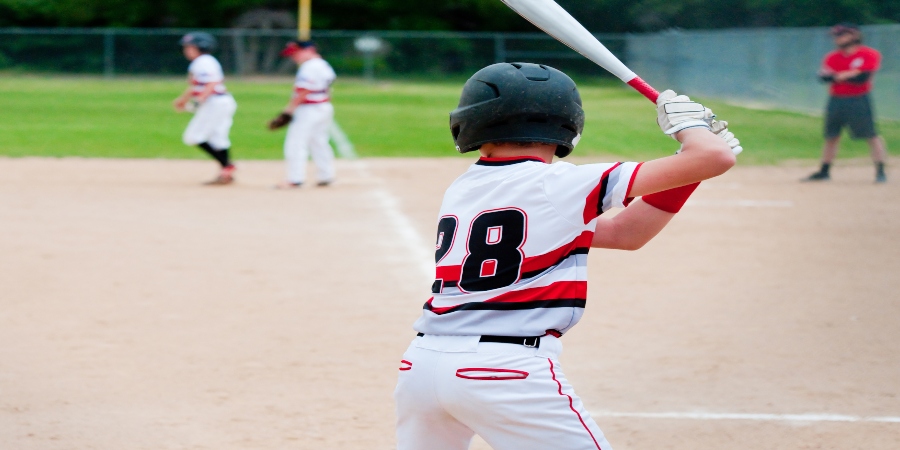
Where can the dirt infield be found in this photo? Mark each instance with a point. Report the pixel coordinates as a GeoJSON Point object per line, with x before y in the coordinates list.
{"type": "Point", "coordinates": [139, 310]}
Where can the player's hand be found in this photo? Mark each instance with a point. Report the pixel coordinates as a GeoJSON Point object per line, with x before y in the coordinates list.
{"type": "Point", "coordinates": [280, 121]}
{"type": "Point", "coordinates": [720, 129]}
{"type": "Point", "coordinates": [179, 104]}
{"type": "Point", "coordinates": [677, 112]}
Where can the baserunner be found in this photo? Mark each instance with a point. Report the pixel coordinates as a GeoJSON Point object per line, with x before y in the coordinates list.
{"type": "Point", "coordinates": [209, 100]}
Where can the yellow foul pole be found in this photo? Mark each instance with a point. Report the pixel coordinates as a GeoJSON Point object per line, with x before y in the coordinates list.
{"type": "Point", "coordinates": [303, 24]}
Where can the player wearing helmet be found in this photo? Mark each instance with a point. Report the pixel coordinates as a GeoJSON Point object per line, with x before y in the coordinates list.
{"type": "Point", "coordinates": [212, 105]}
{"type": "Point", "coordinates": [511, 252]}
{"type": "Point", "coordinates": [308, 116]}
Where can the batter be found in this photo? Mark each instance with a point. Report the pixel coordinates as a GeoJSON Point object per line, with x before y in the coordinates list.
{"type": "Point", "coordinates": [209, 100]}
{"type": "Point", "coordinates": [309, 115]}
{"type": "Point", "coordinates": [511, 254]}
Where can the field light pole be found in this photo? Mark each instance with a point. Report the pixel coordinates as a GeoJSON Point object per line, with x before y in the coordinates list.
{"type": "Point", "coordinates": [304, 24]}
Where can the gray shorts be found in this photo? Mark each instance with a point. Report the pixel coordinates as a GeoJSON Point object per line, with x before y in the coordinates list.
{"type": "Point", "coordinates": [853, 112]}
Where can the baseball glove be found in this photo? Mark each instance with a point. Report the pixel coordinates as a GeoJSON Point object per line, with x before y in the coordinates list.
{"type": "Point", "coordinates": [280, 121]}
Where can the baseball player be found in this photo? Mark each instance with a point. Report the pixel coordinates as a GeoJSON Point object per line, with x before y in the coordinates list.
{"type": "Point", "coordinates": [850, 70]}
{"type": "Point", "coordinates": [212, 105]}
{"type": "Point", "coordinates": [511, 253]}
{"type": "Point", "coordinates": [308, 115]}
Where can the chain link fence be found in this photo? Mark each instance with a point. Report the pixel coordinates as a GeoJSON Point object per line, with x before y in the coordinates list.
{"type": "Point", "coordinates": [772, 67]}
{"type": "Point", "coordinates": [755, 67]}
{"type": "Point", "coordinates": [255, 52]}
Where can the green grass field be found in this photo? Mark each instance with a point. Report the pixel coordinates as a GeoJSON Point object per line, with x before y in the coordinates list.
{"type": "Point", "coordinates": [133, 118]}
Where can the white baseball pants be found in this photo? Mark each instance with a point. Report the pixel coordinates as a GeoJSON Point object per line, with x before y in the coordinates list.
{"type": "Point", "coordinates": [212, 122]}
{"type": "Point", "coordinates": [514, 397]}
{"type": "Point", "coordinates": [308, 134]}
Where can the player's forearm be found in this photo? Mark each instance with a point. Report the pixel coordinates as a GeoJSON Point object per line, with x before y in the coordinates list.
{"type": "Point", "coordinates": [208, 90]}
{"type": "Point", "coordinates": [847, 75]}
{"type": "Point", "coordinates": [295, 101]}
{"type": "Point", "coordinates": [186, 94]}
{"type": "Point", "coordinates": [632, 228]}
{"type": "Point", "coordinates": [703, 156]}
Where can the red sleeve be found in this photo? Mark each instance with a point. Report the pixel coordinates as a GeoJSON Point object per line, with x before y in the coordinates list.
{"type": "Point", "coordinates": [829, 62]}
{"type": "Point", "coordinates": [871, 61]}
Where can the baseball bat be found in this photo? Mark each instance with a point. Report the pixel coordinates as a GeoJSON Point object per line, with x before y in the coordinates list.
{"type": "Point", "coordinates": [557, 22]}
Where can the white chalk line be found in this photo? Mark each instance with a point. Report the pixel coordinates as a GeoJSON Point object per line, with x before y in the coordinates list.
{"type": "Point", "coordinates": [751, 417]}
{"type": "Point", "coordinates": [345, 148]}
{"type": "Point", "coordinates": [742, 203]}
{"type": "Point", "coordinates": [417, 248]}
{"type": "Point", "coordinates": [415, 244]}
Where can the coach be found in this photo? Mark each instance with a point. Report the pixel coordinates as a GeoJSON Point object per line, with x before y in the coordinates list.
{"type": "Point", "coordinates": [850, 70]}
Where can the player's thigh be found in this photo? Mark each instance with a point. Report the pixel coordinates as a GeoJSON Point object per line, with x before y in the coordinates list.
{"type": "Point", "coordinates": [301, 129]}
{"type": "Point", "coordinates": [862, 119]}
{"type": "Point", "coordinates": [515, 404]}
{"type": "Point", "coordinates": [422, 423]}
{"type": "Point", "coordinates": [225, 119]}
{"type": "Point", "coordinates": [201, 126]}
{"type": "Point", "coordinates": [835, 117]}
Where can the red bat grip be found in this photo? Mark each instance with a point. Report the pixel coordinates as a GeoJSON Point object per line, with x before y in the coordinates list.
{"type": "Point", "coordinates": [645, 89]}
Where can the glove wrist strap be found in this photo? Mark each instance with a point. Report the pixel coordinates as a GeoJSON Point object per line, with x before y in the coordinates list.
{"type": "Point", "coordinates": [688, 124]}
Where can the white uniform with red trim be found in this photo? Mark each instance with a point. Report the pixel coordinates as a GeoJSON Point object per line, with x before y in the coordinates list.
{"type": "Point", "coordinates": [511, 253]}
{"type": "Point", "coordinates": [213, 118]}
{"type": "Point", "coordinates": [308, 132]}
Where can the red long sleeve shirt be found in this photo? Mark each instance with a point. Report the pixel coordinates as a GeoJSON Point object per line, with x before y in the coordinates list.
{"type": "Point", "coordinates": [865, 59]}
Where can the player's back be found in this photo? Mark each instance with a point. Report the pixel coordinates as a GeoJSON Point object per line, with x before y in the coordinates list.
{"type": "Point", "coordinates": [206, 69]}
{"type": "Point", "coordinates": [512, 243]}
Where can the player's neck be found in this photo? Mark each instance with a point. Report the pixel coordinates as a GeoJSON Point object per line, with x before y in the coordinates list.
{"type": "Point", "coordinates": [504, 150]}
{"type": "Point", "coordinates": [850, 50]}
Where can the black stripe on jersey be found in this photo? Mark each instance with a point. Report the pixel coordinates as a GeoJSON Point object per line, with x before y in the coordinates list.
{"type": "Point", "coordinates": [439, 285]}
{"type": "Point", "coordinates": [604, 183]}
{"type": "Point", "coordinates": [575, 251]}
{"type": "Point", "coordinates": [508, 162]}
{"type": "Point", "coordinates": [515, 306]}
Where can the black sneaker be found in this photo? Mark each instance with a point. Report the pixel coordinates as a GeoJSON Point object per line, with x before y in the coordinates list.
{"type": "Point", "coordinates": [818, 176]}
{"type": "Point", "coordinates": [880, 178]}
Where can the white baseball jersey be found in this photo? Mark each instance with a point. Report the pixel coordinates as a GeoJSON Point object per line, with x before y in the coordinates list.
{"type": "Point", "coordinates": [206, 69]}
{"type": "Point", "coordinates": [316, 76]}
{"type": "Point", "coordinates": [512, 243]}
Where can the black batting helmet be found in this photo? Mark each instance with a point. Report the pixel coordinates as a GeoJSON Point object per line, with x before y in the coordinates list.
{"type": "Point", "coordinates": [204, 42]}
{"type": "Point", "coordinates": [518, 102]}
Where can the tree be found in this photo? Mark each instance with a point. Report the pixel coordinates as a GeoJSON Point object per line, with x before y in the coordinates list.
{"type": "Point", "coordinates": [488, 15]}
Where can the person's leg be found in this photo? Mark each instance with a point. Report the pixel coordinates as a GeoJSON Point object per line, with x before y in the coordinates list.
{"type": "Point", "coordinates": [421, 421]}
{"type": "Point", "coordinates": [835, 120]}
{"type": "Point", "coordinates": [296, 147]}
{"type": "Point", "coordinates": [515, 400]}
{"type": "Point", "coordinates": [222, 156]}
{"type": "Point", "coordinates": [862, 126]}
{"type": "Point", "coordinates": [219, 139]}
{"type": "Point", "coordinates": [879, 157]}
{"type": "Point", "coordinates": [322, 153]}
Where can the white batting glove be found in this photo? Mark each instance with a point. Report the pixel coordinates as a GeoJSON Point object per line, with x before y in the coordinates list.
{"type": "Point", "coordinates": [677, 112]}
{"type": "Point", "coordinates": [720, 129]}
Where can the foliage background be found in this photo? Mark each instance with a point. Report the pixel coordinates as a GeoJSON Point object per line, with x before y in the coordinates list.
{"type": "Point", "coordinates": [464, 15]}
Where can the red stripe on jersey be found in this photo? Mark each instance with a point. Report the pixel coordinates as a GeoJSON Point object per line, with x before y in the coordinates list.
{"type": "Point", "coordinates": [593, 205]}
{"type": "Point", "coordinates": [542, 262]}
{"type": "Point", "coordinates": [531, 264]}
{"type": "Point", "coordinates": [558, 290]}
{"type": "Point", "coordinates": [628, 197]}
